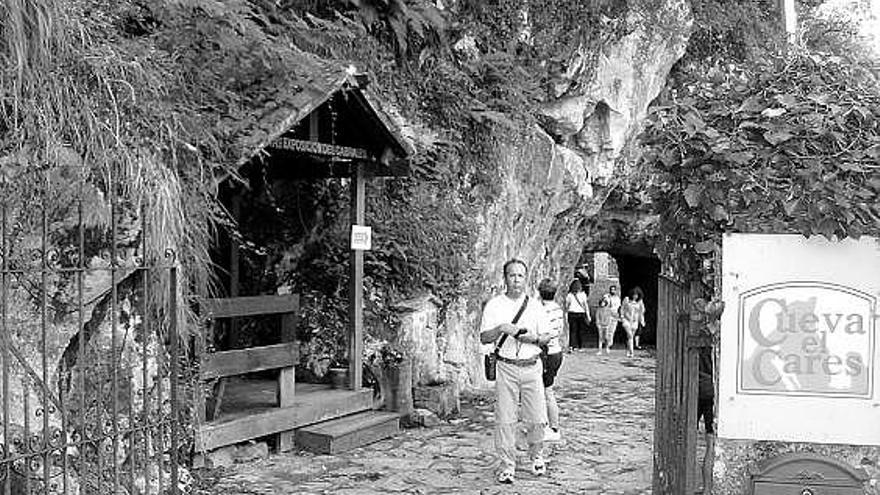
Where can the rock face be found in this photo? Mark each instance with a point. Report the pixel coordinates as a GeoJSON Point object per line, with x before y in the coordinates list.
{"type": "Point", "coordinates": [558, 175]}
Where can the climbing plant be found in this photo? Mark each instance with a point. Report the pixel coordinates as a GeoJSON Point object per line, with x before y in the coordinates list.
{"type": "Point", "coordinates": [788, 144]}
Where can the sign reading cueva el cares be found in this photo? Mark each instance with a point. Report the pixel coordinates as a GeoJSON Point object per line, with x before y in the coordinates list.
{"type": "Point", "coordinates": [799, 348]}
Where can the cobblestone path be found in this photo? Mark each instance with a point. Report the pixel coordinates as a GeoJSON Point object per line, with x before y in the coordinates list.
{"type": "Point", "coordinates": [607, 408]}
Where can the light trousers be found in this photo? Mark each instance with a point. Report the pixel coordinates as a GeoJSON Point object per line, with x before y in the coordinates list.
{"type": "Point", "coordinates": [519, 389]}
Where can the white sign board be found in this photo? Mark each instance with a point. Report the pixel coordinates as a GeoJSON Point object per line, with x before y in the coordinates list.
{"type": "Point", "coordinates": [361, 237]}
{"type": "Point", "coordinates": [799, 357]}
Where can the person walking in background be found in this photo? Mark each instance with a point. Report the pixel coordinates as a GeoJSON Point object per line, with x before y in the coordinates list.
{"type": "Point", "coordinates": [632, 317]}
{"type": "Point", "coordinates": [578, 315]}
{"type": "Point", "coordinates": [614, 305]}
{"type": "Point", "coordinates": [515, 323]}
{"type": "Point", "coordinates": [606, 324]}
{"type": "Point", "coordinates": [552, 356]}
{"type": "Point", "coordinates": [706, 411]}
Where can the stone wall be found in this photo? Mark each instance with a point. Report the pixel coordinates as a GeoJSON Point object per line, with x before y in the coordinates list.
{"type": "Point", "coordinates": [734, 460]}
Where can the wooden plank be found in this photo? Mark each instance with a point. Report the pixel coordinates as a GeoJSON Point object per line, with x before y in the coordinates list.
{"type": "Point", "coordinates": [356, 288]}
{"type": "Point", "coordinates": [346, 433]}
{"type": "Point", "coordinates": [331, 404]}
{"type": "Point", "coordinates": [216, 401]}
{"type": "Point", "coordinates": [249, 306]}
{"type": "Point", "coordinates": [691, 388]}
{"type": "Point", "coordinates": [288, 326]}
{"type": "Point", "coordinates": [240, 361]}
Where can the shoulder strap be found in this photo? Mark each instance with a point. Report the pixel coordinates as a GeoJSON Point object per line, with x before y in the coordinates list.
{"type": "Point", "coordinates": [580, 303]}
{"type": "Point", "coordinates": [521, 309]}
{"type": "Point", "coordinates": [515, 319]}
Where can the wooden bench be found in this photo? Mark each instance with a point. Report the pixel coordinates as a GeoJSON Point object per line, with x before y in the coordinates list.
{"type": "Point", "coordinates": [223, 364]}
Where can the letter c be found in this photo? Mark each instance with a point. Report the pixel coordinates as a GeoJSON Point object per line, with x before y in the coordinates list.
{"type": "Point", "coordinates": [756, 369]}
{"type": "Point", "coordinates": [755, 323]}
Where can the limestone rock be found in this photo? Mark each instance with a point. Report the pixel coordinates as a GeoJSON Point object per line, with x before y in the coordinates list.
{"type": "Point", "coordinates": [222, 457]}
{"type": "Point", "coordinates": [417, 333]}
{"type": "Point", "coordinates": [424, 418]}
{"type": "Point", "coordinates": [441, 399]}
{"type": "Point", "coordinates": [565, 116]}
{"type": "Point", "coordinates": [555, 178]}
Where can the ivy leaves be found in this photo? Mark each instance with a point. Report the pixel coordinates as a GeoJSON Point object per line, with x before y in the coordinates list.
{"type": "Point", "coordinates": [788, 145]}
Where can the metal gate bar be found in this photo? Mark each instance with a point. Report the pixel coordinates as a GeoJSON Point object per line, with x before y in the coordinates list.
{"type": "Point", "coordinates": [75, 425]}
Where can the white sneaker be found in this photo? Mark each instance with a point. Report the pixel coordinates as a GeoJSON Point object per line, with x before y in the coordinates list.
{"type": "Point", "coordinates": [552, 436]}
{"type": "Point", "coordinates": [539, 467]}
{"type": "Point", "coordinates": [506, 477]}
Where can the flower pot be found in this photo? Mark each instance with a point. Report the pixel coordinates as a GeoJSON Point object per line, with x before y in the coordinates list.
{"type": "Point", "coordinates": [339, 377]}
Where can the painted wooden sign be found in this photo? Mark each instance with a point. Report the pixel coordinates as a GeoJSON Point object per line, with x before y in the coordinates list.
{"type": "Point", "coordinates": [799, 347]}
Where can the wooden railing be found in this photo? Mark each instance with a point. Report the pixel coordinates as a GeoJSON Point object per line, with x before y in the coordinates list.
{"type": "Point", "coordinates": [223, 364]}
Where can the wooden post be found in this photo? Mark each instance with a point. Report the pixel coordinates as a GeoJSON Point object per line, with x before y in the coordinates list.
{"type": "Point", "coordinates": [285, 440]}
{"type": "Point", "coordinates": [356, 279]}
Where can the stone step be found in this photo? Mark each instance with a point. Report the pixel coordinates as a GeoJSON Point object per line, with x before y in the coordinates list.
{"type": "Point", "coordinates": [348, 432]}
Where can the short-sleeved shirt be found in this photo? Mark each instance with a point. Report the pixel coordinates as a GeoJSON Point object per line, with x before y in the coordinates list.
{"type": "Point", "coordinates": [613, 303]}
{"type": "Point", "coordinates": [555, 325]}
{"type": "Point", "coordinates": [604, 318]}
{"type": "Point", "coordinates": [501, 309]}
{"type": "Point", "coordinates": [576, 302]}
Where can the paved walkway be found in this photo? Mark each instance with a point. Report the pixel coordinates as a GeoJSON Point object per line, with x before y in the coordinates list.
{"type": "Point", "coordinates": [607, 406]}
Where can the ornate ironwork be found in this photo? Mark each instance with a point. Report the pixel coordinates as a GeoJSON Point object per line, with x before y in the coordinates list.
{"type": "Point", "coordinates": [87, 384]}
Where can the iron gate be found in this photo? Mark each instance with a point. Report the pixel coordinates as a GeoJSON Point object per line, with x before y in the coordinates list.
{"type": "Point", "coordinates": [89, 352]}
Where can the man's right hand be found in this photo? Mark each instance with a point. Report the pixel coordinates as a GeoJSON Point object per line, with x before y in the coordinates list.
{"type": "Point", "coordinates": [508, 328]}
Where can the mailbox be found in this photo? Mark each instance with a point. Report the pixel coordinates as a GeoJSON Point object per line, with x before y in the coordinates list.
{"type": "Point", "coordinates": [807, 474]}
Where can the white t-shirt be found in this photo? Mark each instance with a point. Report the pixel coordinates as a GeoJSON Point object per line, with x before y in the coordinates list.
{"type": "Point", "coordinates": [501, 309]}
{"type": "Point", "coordinates": [613, 303]}
{"type": "Point", "coordinates": [555, 326]}
{"type": "Point", "coordinates": [577, 303]}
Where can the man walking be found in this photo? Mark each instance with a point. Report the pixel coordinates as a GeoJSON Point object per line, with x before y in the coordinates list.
{"type": "Point", "coordinates": [513, 322]}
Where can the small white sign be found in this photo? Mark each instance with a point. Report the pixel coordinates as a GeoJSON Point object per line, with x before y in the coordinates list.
{"type": "Point", "coordinates": [361, 237]}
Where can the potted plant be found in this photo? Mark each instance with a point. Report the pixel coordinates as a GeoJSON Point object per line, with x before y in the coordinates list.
{"type": "Point", "coordinates": [393, 371]}
{"type": "Point", "coordinates": [339, 374]}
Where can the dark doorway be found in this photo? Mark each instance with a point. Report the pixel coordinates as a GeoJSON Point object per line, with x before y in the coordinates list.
{"type": "Point", "coordinates": [641, 271]}
{"type": "Point", "coordinates": [626, 270]}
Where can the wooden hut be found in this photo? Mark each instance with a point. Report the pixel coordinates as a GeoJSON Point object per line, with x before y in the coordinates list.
{"type": "Point", "coordinates": [335, 128]}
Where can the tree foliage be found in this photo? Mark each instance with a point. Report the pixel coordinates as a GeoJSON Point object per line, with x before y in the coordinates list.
{"type": "Point", "coordinates": [789, 144]}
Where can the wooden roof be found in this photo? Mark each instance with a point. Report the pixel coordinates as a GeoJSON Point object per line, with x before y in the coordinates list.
{"type": "Point", "coordinates": [331, 121]}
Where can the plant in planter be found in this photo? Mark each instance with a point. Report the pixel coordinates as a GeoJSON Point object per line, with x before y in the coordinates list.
{"type": "Point", "coordinates": [392, 369]}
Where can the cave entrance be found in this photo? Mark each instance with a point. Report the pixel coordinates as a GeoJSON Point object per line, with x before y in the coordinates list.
{"type": "Point", "coordinates": [626, 270]}
{"type": "Point", "coordinates": [667, 338]}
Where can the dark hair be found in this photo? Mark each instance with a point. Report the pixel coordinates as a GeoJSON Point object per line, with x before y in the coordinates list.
{"type": "Point", "coordinates": [575, 285]}
{"type": "Point", "coordinates": [547, 289]}
{"type": "Point", "coordinates": [637, 291]}
{"type": "Point", "coordinates": [513, 261]}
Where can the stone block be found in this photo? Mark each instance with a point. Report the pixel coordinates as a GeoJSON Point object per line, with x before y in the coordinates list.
{"type": "Point", "coordinates": [442, 399]}
{"type": "Point", "coordinates": [221, 457]}
{"type": "Point", "coordinates": [250, 451]}
{"type": "Point", "coordinates": [424, 418]}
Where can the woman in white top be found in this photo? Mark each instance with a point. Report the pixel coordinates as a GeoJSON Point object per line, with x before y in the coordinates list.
{"type": "Point", "coordinates": [632, 316]}
{"type": "Point", "coordinates": [578, 315]}
{"type": "Point", "coordinates": [553, 356]}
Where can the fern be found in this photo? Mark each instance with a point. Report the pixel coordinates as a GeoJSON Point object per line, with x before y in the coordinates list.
{"type": "Point", "coordinates": [411, 23]}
